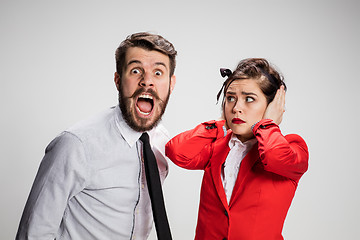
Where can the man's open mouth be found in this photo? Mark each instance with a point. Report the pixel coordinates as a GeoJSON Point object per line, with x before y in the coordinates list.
{"type": "Point", "coordinates": [145, 104]}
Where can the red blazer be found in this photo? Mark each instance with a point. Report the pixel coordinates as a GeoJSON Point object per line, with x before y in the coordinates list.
{"type": "Point", "coordinates": [265, 186]}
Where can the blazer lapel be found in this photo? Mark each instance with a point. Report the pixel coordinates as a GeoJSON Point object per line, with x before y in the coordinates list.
{"type": "Point", "coordinates": [221, 151]}
{"type": "Point", "coordinates": [245, 167]}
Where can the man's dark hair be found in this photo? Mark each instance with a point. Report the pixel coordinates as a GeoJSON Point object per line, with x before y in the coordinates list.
{"type": "Point", "coordinates": [148, 41]}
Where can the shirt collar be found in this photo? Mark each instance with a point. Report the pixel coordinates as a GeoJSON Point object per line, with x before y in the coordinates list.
{"type": "Point", "coordinates": [234, 141]}
{"type": "Point", "coordinates": [129, 134]}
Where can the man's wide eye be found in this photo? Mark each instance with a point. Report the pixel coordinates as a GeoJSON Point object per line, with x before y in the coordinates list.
{"type": "Point", "coordinates": [135, 71]}
{"type": "Point", "coordinates": [158, 73]}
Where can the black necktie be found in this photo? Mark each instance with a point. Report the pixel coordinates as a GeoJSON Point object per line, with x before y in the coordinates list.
{"type": "Point", "coordinates": [155, 191]}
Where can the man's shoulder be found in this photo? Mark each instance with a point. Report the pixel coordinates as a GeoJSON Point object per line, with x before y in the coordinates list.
{"type": "Point", "coordinates": [160, 130]}
{"type": "Point", "coordinates": [93, 125]}
{"type": "Point", "coordinates": [159, 137]}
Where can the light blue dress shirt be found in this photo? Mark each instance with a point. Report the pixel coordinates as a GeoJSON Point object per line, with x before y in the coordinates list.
{"type": "Point", "coordinates": [91, 183]}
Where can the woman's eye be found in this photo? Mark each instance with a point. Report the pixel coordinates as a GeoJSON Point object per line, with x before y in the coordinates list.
{"type": "Point", "coordinates": [135, 71]}
{"type": "Point", "coordinates": [158, 73]}
{"type": "Point", "coordinates": [249, 99]}
{"type": "Point", "coordinates": [230, 99]}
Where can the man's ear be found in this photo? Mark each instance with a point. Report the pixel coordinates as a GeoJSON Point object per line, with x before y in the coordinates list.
{"type": "Point", "coordinates": [117, 80]}
{"type": "Point", "coordinates": [172, 83]}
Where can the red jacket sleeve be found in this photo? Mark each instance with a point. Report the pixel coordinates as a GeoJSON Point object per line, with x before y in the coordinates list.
{"type": "Point", "coordinates": [284, 155]}
{"type": "Point", "coordinates": [192, 149]}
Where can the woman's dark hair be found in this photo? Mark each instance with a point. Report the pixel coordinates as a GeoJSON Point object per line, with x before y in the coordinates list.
{"type": "Point", "coordinates": [259, 69]}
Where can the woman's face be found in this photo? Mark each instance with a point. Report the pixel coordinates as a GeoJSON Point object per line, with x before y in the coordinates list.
{"type": "Point", "coordinates": [244, 105]}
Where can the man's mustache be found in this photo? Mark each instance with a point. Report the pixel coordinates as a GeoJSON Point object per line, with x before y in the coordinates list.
{"type": "Point", "coordinates": [143, 90]}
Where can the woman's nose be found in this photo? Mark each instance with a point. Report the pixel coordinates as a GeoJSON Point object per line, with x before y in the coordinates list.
{"type": "Point", "coordinates": [237, 107]}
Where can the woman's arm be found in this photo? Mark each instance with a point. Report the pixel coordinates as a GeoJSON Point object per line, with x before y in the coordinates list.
{"type": "Point", "coordinates": [192, 149]}
{"type": "Point", "coordinates": [284, 155]}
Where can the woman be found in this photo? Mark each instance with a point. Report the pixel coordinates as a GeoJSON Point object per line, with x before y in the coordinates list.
{"type": "Point", "coordinates": [251, 170]}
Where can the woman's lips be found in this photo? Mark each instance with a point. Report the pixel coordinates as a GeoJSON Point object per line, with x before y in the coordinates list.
{"type": "Point", "coordinates": [237, 121]}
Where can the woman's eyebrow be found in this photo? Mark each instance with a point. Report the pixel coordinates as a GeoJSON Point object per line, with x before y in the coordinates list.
{"type": "Point", "coordinates": [242, 93]}
{"type": "Point", "coordinates": [230, 92]}
{"type": "Point", "coordinates": [248, 93]}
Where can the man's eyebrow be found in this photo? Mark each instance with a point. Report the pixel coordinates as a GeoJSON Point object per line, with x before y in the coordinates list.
{"type": "Point", "coordinates": [161, 63]}
{"type": "Point", "coordinates": [133, 61]}
{"type": "Point", "coordinates": [139, 62]}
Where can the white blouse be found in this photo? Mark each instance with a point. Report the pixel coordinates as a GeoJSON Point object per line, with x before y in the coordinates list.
{"type": "Point", "coordinates": [238, 151]}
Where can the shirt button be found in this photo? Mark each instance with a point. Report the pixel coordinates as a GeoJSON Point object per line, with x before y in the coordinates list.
{"type": "Point", "coordinates": [226, 213]}
{"type": "Point", "coordinates": [142, 186]}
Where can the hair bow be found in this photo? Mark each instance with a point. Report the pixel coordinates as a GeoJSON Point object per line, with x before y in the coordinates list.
{"type": "Point", "coordinates": [225, 72]}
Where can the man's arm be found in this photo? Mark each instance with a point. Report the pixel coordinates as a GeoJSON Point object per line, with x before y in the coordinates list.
{"type": "Point", "coordinates": [61, 175]}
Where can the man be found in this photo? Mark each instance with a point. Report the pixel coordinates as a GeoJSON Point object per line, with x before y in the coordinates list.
{"type": "Point", "coordinates": [91, 183]}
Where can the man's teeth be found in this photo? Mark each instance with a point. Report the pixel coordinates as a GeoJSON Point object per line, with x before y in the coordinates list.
{"type": "Point", "coordinates": [143, 112]}
{"type": "Point", "coordinates": [145, 96]}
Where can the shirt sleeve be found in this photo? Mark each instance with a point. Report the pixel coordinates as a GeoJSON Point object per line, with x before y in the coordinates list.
{"type": "Point", "coordinates": [62, 174]}
{"type": "Point", "coordinates": [284, 155]}
{"type": "Point", "coordinates": [158, 138]}
{"type": "Point", "coordinates": [192, 149]}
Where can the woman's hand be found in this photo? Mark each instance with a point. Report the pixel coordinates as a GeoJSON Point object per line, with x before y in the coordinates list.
{"type": "Point", "coordinates": [276, 108]}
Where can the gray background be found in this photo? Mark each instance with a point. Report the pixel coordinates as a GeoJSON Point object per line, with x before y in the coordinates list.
{"type": "Point", "coordinates": [57, 65]}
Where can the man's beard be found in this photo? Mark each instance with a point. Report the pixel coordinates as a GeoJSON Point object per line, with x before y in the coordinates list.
{"type": "Point", "coordinates": [128, 111]}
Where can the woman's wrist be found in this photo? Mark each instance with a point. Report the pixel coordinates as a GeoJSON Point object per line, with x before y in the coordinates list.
{"type": "Point", "coordinates": [263, 123]}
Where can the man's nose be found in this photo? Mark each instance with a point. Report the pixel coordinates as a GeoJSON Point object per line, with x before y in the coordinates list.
{"type": "Point", "coordinates": [146, 80]}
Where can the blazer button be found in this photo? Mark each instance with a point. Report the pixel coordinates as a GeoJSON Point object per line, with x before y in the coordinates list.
{"type": "Point", "coordinates": [226, 213]}
{"type": "Point", "coordinates": [208, 127]}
